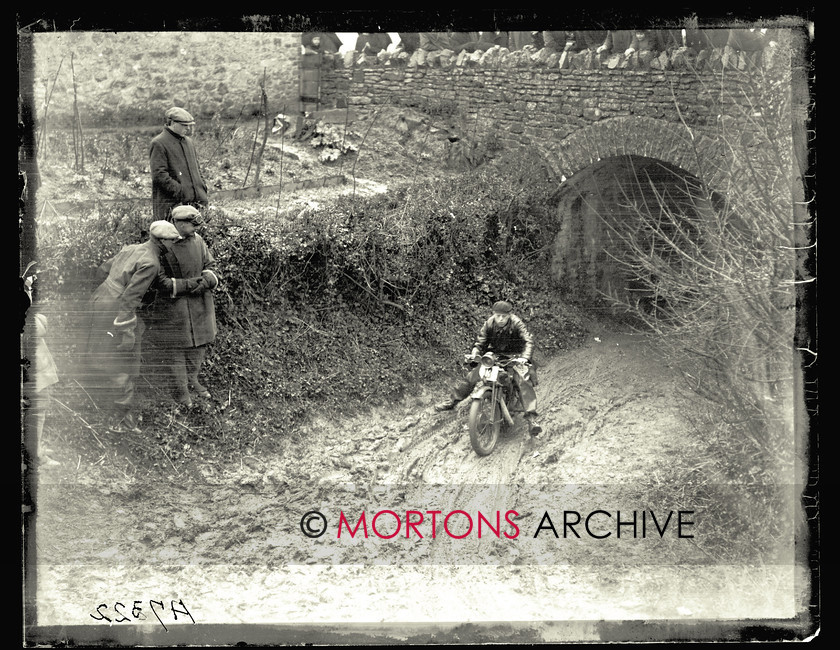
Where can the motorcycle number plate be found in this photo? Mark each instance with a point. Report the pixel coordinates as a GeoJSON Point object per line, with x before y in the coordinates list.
{"type": "Point", "coordinates": [494, 373]}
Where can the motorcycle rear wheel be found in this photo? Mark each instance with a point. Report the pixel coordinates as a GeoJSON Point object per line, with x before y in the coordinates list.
{"type": "Point", "coordinates": [485, 424]}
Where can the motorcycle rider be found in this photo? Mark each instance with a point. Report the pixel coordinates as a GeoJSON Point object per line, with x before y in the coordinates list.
{"type": "Point", "coordinates": [504, 333]}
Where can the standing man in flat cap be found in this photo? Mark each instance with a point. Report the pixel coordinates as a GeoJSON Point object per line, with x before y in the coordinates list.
{"type": "Point", "coordinates": [505, 334]}
{"type": "Point", "coordinates": [115, 327]}
{"type": "Point", "coordinates": [184, 313]}
{"type": "Point", "coordinates": [176, 178]}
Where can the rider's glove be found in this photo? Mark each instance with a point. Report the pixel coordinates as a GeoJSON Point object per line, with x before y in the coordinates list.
{"type": "Point", "coordinates": [520, 360]}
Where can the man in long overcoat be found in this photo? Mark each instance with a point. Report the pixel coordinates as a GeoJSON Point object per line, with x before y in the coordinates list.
{"type": "Point", "coordinates": [184, 320]}
{"type": "Point", "coordinates": [432, 41]}
{"type": "Point", "coordinates": [115, 329]}
{"type": "Point", "coordinates": [176, 178]}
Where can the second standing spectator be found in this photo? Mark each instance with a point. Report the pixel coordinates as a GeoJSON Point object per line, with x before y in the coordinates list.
{"type": "Point", "coordinates": [184, 310]}
{"type": "Point", "coordinates": [176, 178]}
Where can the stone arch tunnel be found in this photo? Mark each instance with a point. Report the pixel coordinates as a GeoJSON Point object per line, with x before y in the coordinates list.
{"type": "Point", "coordinates": [614, 205]}
{"type": "Point", "coordinates": [619, 179]}
{"type": "Point", "coordinates": [699, 121]}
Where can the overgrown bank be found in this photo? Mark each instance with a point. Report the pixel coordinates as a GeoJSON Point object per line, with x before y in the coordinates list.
{"type": "Point", "coordinates": [348, 304]}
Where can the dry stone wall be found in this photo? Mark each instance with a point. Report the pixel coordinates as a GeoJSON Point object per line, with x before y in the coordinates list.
{"type": "Point", "coordinates": [532, 101]}
{"type": "Point", "coordinates": [133, 77]}
{"type": "Point", "coordinates": [580, 108]}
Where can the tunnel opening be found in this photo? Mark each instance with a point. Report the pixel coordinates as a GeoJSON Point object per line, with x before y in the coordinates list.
{"type": "Point", "coordinates": [629, 225]}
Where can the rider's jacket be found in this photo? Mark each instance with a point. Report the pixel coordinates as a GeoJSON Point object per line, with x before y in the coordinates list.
{"type": "Point", "coordinates": [511, 339]}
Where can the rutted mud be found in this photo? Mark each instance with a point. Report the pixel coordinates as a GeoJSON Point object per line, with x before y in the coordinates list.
{"type": "Point", "coordinates": [231, 546]}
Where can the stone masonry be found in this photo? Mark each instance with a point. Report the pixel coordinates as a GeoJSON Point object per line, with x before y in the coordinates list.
{"type": "Point", "coordinates": [131, 78]}
{"type": "Point", "coordinates": [576, 109]}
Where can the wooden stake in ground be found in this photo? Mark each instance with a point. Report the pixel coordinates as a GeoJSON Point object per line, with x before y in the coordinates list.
{"type": "Point", "coordinates": [42, 146]}
{"type": "Point", "coordinates": [280, 189]}
{"type": "Point", "coordinates": [78, 147]}
{"type": "Point", "coordinates": [266, 129]}
{"type": "Point", "coordinates": [362, 144]}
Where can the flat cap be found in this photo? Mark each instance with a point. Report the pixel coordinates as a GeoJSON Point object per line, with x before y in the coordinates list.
{"type": "Point", "coordinates": [186, 213]}
{"type": "Point", "coordinates": [163, 230]}
{"type": "Point", "coordinates": [178, 114]}
{"type": "Point", "coordinates": [502, 307]}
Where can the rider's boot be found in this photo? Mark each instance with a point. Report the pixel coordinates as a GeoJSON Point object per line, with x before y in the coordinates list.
{"type": "Point", "coordinates": [533, 426]}
{"type": "Point", "coordinates": [459, 392]}
{"type": "Point", "coordinates": [446, 405]}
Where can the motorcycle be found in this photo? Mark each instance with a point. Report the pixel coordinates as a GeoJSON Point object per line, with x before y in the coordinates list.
{"type": "Point", "coordinates": [495, 398]}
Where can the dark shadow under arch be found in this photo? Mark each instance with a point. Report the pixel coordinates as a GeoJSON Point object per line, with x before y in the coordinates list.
{"type": "Point", "coordinates": [617, 203]}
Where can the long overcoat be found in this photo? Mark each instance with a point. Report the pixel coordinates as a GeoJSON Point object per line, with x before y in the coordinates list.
{"type": "Point", "coordinates": [184, 320]}
{"type": "Point", "coordinates": [176, 178]}
{"type": "Point", "coordinates": [377, 42]}
{"type": "Point", "coordinates": [113, 310]}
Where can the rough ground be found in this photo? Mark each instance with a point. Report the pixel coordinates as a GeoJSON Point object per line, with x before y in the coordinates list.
{"type": "Point", "coordinates": [394, 145]}
{"type": "Point", "coordinates": [230, 546]}
{"type": "Point", "coordinates": [226, 541]}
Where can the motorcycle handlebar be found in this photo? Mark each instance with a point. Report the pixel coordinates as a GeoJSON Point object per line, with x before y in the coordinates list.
{"type": "Point", "coordinates": [504, 362]}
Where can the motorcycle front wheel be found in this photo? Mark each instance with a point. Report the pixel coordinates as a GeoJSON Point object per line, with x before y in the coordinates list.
{"type": "Point", "coordinates": [485, 424]}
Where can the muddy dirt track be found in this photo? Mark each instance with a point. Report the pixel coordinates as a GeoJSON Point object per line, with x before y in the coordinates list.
{"type": "Point", "coordinates": [231, 550]}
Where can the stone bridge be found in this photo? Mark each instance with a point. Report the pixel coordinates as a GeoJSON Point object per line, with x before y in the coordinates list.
{"type": "Point", "coordinates": [676, 118]}
{"type": "Point", "coordinates": [576, 109]}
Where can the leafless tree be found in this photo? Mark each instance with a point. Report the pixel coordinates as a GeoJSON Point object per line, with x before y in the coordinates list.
{"type": "Point", "coordinates": [720, 270]}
